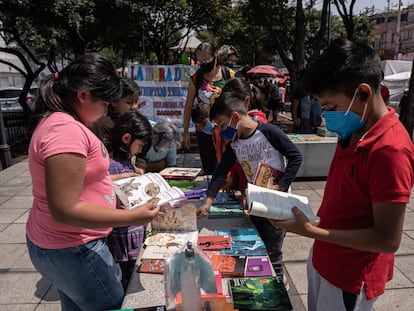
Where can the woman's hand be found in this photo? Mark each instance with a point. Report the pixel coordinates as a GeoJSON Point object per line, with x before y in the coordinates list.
{"type": "Point", "coordinates": [186, 140]}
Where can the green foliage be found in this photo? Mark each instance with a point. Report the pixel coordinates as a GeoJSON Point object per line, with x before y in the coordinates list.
{"type": "Point", "coordinates": [144, 30]}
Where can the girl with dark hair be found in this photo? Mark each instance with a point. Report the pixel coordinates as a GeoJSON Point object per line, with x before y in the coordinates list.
{"type": "Point", "coordinates": [130, 136]}
{"type": "Point", "coordinates": [74, 206]}
{"type": "Point", "coordinates": [128, 102]}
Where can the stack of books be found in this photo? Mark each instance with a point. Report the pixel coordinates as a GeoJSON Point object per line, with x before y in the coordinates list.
{"type": "Point", "coordinates": [225, 205]}
{"type": "Point", "coordinates": [181, 177]}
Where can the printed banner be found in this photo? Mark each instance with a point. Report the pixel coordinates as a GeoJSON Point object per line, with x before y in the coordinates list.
{"type": "Point", "coordinates": [163, 91]}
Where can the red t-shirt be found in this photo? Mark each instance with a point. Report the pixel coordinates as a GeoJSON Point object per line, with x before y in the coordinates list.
{"type": "Point", "coordinates": [378, 168]}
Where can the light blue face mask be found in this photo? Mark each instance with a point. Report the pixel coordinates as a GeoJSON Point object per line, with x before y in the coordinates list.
{"type": "Point", "coordinates": [345, 123]}
{"type": "Point", "coordinates": [229, 133]}
{"type": "Point", "coordinates": [208, 129]}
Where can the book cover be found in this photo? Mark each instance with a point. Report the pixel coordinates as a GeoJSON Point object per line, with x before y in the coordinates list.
{"type": "Point", "coordinates": [224, 198]}
{"type": "Point", "coordinates": [179, 218]}
{"type": "Point", "coordinates": [136, 191]}
{"type": "Point", "coordinates": [263, 175]}
{"type": "Point", "coordinates": [180, 172]}
{"type": "Point", "coordinates": [226, 211]}
{"type": "Point", "coordinates": [214, 242]}
{"type": "Point", "coordinates": [260, 293]}
{"type": "Point", "coordinates": [171, 232]}
{"type": "Point", "coordinates": [244, 242]}
{"type": "Point", "coordinates": [273, 204]}
{"type": "Point", "coordinates": [258, 266]}
{"type": "Point", "coordinates": [228, 265]}
{"type": "Point", "coordinates": [149, 265]}
{"type": "Point", "coordinates": [266, 175]}
{"type": "Point", "coordinates": [154, 308]}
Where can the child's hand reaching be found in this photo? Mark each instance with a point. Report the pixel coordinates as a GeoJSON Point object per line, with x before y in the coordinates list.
{"type": "Point", "coordinates": [147, 212]}
{"type": "Point", "coordinates": [140, 166]}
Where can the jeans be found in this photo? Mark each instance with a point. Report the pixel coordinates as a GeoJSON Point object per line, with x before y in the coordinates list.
{"type": "Point", "coordinates": [86, 276]}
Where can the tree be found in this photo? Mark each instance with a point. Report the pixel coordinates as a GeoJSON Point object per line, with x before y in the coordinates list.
{"type": "Point", "coordinates": [289, 38]}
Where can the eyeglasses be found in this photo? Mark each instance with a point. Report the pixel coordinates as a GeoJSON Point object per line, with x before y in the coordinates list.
{"type": "Point", "coordinates": [199, 62]}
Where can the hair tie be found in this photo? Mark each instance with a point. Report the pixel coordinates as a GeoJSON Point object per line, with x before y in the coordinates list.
{"type": "Point", "coordinates": [56, 74]}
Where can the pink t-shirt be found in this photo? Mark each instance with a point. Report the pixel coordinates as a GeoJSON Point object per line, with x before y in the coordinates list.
{"type": "Point", "coordinates": [56, 134]}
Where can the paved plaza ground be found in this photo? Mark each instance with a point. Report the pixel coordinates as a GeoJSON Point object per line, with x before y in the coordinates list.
{"type": "Point", "coordinates": [23, 289]}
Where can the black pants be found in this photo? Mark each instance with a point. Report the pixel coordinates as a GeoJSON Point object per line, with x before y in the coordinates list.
{"type": "Point", "coordinates": [273, 239]}
{"type": "Point", "coordinates": [207, 152]}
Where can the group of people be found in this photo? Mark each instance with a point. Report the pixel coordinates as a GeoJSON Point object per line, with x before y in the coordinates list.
{"type": "Point", "coordinates": [69, 229]}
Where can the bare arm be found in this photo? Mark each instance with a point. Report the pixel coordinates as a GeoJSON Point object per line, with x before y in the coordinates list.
{"type": "Point", "coordinates": [191, 94]}
{"type": "Point", "coordinates": [64, 175]}
{"type": "Point", "coordinates": [203, 210]}
{"type": "Point", "coordinates": [383, 237]}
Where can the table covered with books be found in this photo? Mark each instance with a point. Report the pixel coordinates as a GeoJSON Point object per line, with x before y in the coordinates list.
{"type": "Point", "coordinates": [146, 288]}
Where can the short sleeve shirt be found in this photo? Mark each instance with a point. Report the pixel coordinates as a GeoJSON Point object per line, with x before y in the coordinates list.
{"type": "Point", "coordinates": [378, 168]}
{"type": "Point", "coordinates": [56, 134]}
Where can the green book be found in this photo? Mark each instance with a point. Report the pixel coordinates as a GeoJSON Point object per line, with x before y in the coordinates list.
{"type": "Point", "coordinates": [226, 211]}
{"type": "Point", "coordinates": [259, 293]}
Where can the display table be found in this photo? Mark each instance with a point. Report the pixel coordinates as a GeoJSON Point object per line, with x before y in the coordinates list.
{"type": "Point", "coordinates": [146, 290]}
{"type": "Point", "coordinates": [317, 154]}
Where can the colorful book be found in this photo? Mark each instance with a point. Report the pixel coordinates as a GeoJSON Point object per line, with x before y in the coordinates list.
{"type": "Point", "coordinates": [195, 193]}
{"type": "Point", "coordinates": [149, 265]}
{"type": "Point", "coordinates": [244, 242]}
{"type": "Point", "coordinates": [136, 191]}
{"type": "Point", "coordinates": [214, 242]}
{"type": "Point", "coordinates": [224, 198]}
{"type": "Point", "coordinates": [260, 293]}
{"type": "Point", "coordinates": [171, 232]}
{"type": "Point", "coordinates": [226, 211]}
{"type": "Point", "coordinates": [180, 173]}
{"type": "Point", "coordinates": [154, 308]}
{"type": "Point", "coordinates": [258, 266]}
{"type": "Point", "coordinates": [228, 265]}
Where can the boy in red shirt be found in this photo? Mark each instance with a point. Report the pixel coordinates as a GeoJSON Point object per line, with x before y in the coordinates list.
{"type": "Point", "coordinates": [368, 187]}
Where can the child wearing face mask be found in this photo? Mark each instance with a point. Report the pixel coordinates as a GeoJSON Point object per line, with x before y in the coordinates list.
{"type": "Point", "coordinates": [250, 144]}
{"type": "Point", "coordinates": [235, 178]}
{"type": "Point", "coordinates": [204, 87]}
{"type": "Point", "coordinates": [163, 151]}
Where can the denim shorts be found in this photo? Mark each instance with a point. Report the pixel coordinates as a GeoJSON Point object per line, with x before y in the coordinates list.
{"type": "Point", "coordinates": [86, 276]}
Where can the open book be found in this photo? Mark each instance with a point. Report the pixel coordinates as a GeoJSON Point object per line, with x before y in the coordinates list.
{"type": "Point", "coordinates": [273, 204]}
{"type": "Point", "coordinates": [136, 191]}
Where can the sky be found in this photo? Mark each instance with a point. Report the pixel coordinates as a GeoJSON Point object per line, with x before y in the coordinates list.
{"type": "Point", "coordinates": [379, 5]}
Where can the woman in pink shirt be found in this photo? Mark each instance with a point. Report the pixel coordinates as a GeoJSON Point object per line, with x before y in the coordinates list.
{"type": "Point", "coordinates": [74, 205]}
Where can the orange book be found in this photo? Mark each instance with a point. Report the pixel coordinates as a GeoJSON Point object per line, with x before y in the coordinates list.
{"type": "Point", "coordinates": [214, 242]}
{"type": "Point", "coordinates": [149, 265]}
{"type": "Point", "coordinates": [228, 265]}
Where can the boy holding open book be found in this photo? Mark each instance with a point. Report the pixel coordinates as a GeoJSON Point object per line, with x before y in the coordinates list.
{"type": "Point", "coordinates": [252, 144]}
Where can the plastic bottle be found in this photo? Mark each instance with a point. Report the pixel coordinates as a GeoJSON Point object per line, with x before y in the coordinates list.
{"type": "Point", "coordinates": [190, 282]}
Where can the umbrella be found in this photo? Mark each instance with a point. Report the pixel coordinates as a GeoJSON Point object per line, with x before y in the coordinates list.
{"type": "Point", "coordinates": [265, 70]}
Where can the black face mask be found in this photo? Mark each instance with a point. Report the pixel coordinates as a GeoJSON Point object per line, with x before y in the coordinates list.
{"type": "Point", "coordinates": [208, 67]}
